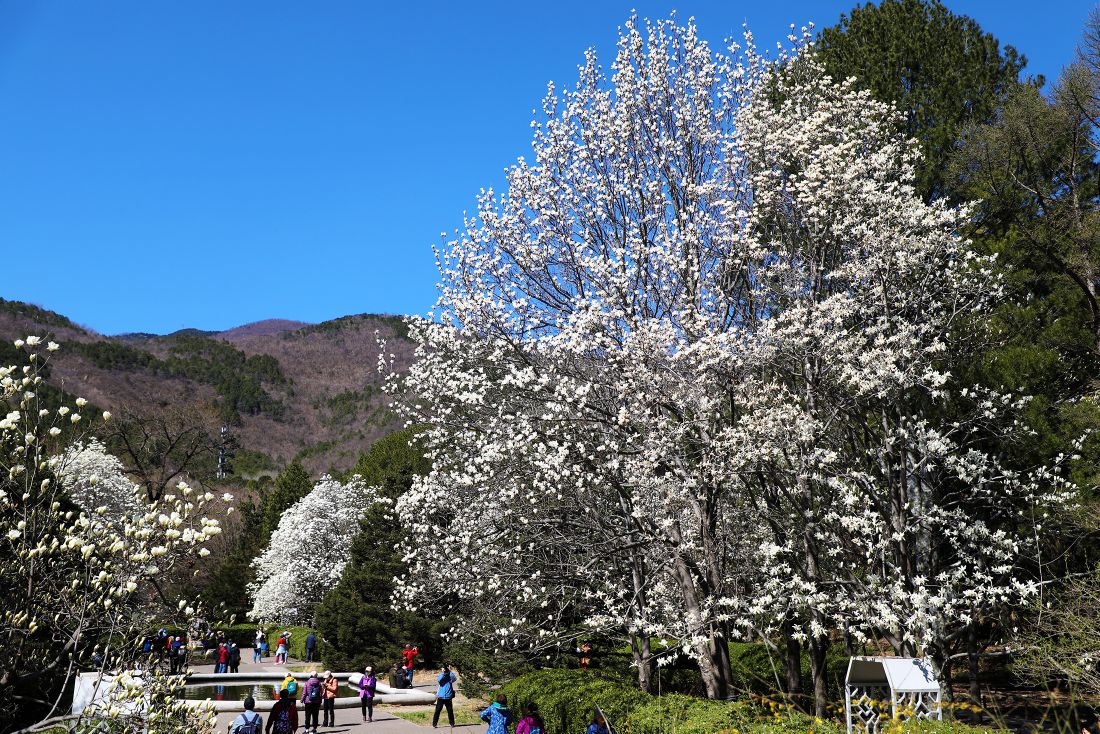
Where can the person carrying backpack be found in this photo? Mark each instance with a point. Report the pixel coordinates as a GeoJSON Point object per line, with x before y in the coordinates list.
{"type": "Point", "coordinates": [249, 722]}
{"type": "Point", "coordinates": [531, 723]}
{"type": "Point", "coordinates": [444, 696]}
{"type": "Point", "coordinates": [311, 700]}
{"type": "Point", "coordinates": [498, 716]}
{"type": "Point", "coordinates": [284, 715]}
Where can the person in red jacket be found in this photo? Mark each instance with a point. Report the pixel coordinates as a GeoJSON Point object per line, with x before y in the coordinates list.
{"type": "Point", "coordinates": [409, 653]}
{"type": "Point", "coordinates": [223, 659]}
{"type": "Point", "coordinates": [284, 715]}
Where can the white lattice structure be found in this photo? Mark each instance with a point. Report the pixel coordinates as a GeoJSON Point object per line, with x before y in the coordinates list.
{"type": "Point", "coordinates": [897, 688]}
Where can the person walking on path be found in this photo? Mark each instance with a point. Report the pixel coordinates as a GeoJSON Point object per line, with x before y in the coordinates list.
{"type": "Point", "coordinates": [312, 694]}
{"type": "Point", "coordinates": [311, 648]}
{"type": "Point", "coordinates": [284, 715]}
{"type": "Point", "coordinates": [444, 696]}
{"type": "Point", "coordinates": [248, 722]}
{"type": "Point", "coordinates": [368, 684]}
{"type": "Point", "coordinates": [257, 647]}
{"type": "Point", "coordinates": [498, 716]}
{"type": "Point", "coordinates": [330, 685]}
{"type": "Point", "coordinates": [531, 723]}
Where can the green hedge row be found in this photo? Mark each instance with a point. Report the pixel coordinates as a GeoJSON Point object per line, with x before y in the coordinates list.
{"type": "Point", "coordinates": [297, 645]}
{"type": "Point", "coordinates": [567, 699]}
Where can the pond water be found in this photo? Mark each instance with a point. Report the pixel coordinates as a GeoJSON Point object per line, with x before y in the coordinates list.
{"type": "Point", "coordinates": [262, 691]}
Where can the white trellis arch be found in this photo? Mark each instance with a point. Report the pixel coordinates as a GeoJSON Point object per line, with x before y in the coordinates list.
{"type": "Point", "coordinates": [908, 686]}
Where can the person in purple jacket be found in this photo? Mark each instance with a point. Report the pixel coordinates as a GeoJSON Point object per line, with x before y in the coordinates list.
{"type": "Point", "coordinates": [368, 684]}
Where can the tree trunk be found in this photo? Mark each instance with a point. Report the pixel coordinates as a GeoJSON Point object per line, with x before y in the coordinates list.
{"type": "Point", "coordinates": [972, 665]}
{"type": "Point", "coordinates": [639, 648]}
{"type": "Point", "coordinates": [713, 655]}
{"type": "Point", "coordinates": [819, 647]}
{"type": "Point", "coordinates": [793, 665]}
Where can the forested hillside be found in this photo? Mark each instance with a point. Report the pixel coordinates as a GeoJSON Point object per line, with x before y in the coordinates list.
{"type": "Point", "coordinates": [284, 389]}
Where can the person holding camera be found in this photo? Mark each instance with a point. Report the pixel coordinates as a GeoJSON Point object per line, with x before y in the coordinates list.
{"type": "Point", "coordinates": [444, 696]}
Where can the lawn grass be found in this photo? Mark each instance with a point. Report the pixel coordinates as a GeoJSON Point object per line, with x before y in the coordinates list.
{"type": "Point", "coordinates": [464, 714]}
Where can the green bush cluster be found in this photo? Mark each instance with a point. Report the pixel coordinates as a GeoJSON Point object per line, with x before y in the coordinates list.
{"type": "Point", "coordinates": [567, 698]}
{"type": "Point", "coordinates": [296, 647]}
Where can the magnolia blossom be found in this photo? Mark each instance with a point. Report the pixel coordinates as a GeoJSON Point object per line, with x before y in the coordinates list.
{"type": "Point", "coordinates": [690, 373]}
{"type": "Point", "coordinates": [95, 478]}
{"type": "Point", "coordinates": [308, 550]}
{"type": "Point", "coordinates": [76, 542]}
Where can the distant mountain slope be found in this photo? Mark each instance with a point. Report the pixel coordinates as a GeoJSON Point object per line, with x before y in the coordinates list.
{"type": "Point", "coordinates": [261, 328]}
{"type": "Point", "coordinates": [288, 389]}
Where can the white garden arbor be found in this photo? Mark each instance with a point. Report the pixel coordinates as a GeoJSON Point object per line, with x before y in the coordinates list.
{"type": "Point", "coordinates": [891, 688]}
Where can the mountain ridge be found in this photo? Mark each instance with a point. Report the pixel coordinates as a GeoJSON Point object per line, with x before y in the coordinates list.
{"type": "Point", "coordinates": [287, 389]}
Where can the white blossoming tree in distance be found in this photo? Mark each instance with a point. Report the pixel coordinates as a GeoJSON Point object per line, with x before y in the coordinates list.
{"type": "Point", "coordinates": [688, 377]}
{"type": "Point", "coordinates": [80, 553]}
{"type": "Point", "coordinates": [96, 479]}
{"type": "Point", "coordinates": [308, 550]}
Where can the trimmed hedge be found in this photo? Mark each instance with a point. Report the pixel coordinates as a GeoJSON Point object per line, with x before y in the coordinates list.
{"type": "Point", "coordinates": [567, 698]}
{"type": "Point", "coordinates": [296, 647]}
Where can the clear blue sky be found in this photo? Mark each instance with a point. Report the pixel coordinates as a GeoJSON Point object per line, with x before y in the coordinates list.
{"type": "Point", "coordinates": [174, 163]}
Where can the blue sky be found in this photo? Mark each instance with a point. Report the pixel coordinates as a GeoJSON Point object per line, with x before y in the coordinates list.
{"type": "Point", "coordinates": [196, 163]}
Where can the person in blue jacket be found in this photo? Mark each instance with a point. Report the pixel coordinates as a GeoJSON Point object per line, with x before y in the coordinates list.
{"type": "Point", "coordinates": [598, 725]}
{"type": "Point", "coordinates": [498, 716]}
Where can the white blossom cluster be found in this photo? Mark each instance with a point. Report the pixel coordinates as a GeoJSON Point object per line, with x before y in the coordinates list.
{"type": "Point", "coordinates": [78, 548]}
{"type": "Point", "coordinates": [691, 372]}
{"type": "Point", "coordinates": [96, 480]}
{"type": "Point", "coordinates": [308, 550]}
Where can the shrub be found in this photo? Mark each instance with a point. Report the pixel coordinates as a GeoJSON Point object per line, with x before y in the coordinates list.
{"type": "Point", "coordinates": [296, 647]}
{"type": "Point", "coordinates": [923, 726]}
{"type": "Point", "coordinates": [567, 698]}
{"type": "Point", "coordinates": [687, 715]}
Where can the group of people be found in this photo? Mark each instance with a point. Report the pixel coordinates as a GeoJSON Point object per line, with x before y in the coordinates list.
{"type": "Point", "coordinates": [170, 647]}
{"type": "Point", "coordinates": [228, 658]}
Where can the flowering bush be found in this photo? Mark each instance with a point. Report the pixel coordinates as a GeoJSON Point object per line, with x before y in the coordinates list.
{"type": "Point", "coordinates": [79, 550]}
{"type": "Point", "coordinates": [308, 550]}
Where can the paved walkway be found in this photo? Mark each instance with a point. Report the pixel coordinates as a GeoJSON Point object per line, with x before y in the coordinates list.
{"type": "Point", "coordinates": [347, 720]}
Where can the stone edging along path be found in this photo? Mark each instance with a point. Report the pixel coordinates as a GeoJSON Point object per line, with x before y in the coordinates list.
{"type": "Point", "coordinates": [404, 696]}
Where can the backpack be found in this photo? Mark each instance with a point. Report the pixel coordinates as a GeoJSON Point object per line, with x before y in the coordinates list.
{"type": "Point", "coordinates": [250, 726]}
{"type": "Point", "coordinates": [313, 691]}
{"type": "Point", "coordinates": [282, 721]}
{"type": "Point", "coordinates": [292, 687]}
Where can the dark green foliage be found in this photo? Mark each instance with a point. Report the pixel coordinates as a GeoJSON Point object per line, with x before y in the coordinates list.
{"type": "Point", "coordinates": [355, 617]}
{"type": "Point", "coordinates": [940, 69]}
{"type": "Point", "coordinates": [296, 647]}
{"type": "Point", "coordinates": [567, 698]}
{"type": "Point", "coordinates": [291, 485]}
{"type": "Point", "coordinates": [249, 463]}
{"type": "Point", "coordinates": [228, 580]}
{"type": "Point", "coordinates": [759, 670]}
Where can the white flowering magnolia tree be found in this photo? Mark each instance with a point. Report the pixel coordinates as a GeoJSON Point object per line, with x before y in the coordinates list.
{"type": "Point", "coordinates": [308, 550]}
{"type": "Point", "coordinates": [80, 552]}
{"type": "Point", "coordinates": [689, 375]}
